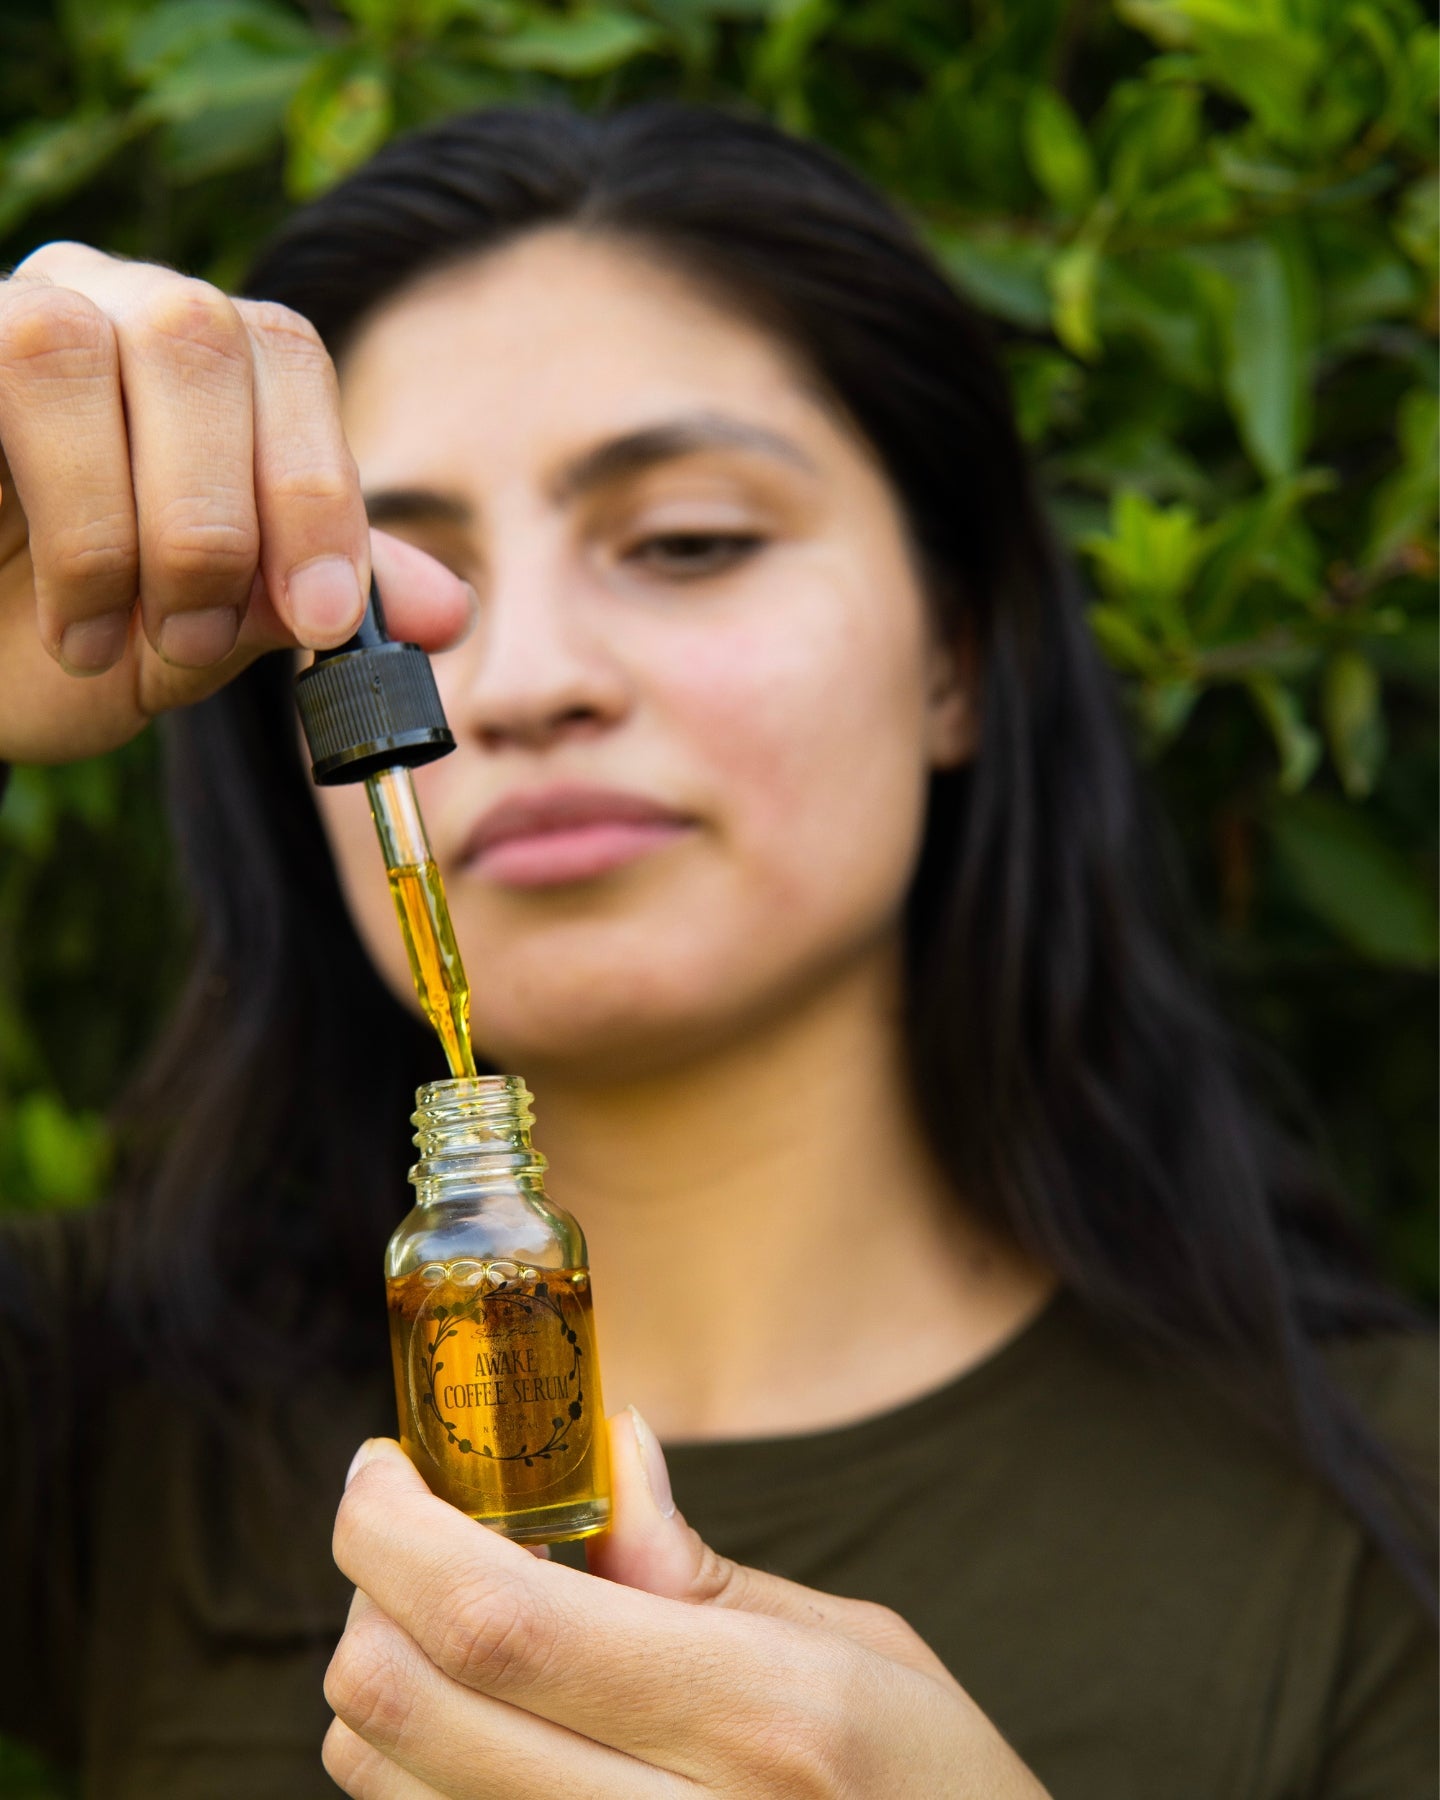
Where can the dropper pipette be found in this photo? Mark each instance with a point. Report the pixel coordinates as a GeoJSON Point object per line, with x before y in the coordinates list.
{"type": "Point", "coordinates": [371, 713]}
{"type": "Point", "coordinates": [419, 897]}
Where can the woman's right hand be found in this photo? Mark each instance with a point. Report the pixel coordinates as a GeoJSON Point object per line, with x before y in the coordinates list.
{"type": "Point", "coordinates": [176, 498]}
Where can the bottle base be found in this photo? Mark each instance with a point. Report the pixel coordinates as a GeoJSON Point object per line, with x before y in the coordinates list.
{"type": "Point", "coordinates": [549, 1524]}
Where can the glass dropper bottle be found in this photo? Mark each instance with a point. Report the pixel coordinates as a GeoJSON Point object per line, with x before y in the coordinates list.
{"type": "Point", "coordinates": [488, 1283]}
{"type": "Point", "coordinates": [371, 713]}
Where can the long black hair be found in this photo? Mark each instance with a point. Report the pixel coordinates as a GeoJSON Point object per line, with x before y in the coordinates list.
{"type": "Point", "coordinates": [1074, 1079]}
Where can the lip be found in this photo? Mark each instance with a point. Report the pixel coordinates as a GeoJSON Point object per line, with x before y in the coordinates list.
{"type": "Point", "coordinates": [556, 835]}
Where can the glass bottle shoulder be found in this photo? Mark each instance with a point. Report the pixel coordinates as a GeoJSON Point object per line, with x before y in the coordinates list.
{"type": "Point", "coordinates": [509, 1225]}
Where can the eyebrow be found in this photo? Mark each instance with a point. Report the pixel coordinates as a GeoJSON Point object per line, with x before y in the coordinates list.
{"type": "Point", "coordinates": [687, 435]}
{"type": "Point", "coordinates": [616, 458]}
{"type": "Point", "coordinates": [416, 506]}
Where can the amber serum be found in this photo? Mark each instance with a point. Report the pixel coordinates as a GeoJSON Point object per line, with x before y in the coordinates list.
{"type": "Point", "coordinates": [491, 1326]}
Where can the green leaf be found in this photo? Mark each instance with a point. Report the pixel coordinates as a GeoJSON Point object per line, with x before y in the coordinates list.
{"type": "Point", "coordinates": [1298, 745]}
{"type": "Point", "coordinates": [432, 87]}
{"type": "Point", "coordinates": [1417, 223]}
{"type": "Point", "coordinates": [1163, 302]}
{"type": "Point", "coordinates": [1197, 202]}
{"type": "Point", "coordinates": [1353, 880]}
{"type": "Point", "coordinates": [690, 31]}
{"type": "Point", "coordinates": [1404, 510]}
{"type": "Point", "coordinates": [1410, 656]}
{"type": "Point", "coordinates": [1265, 300]}
{"type": "Point", "coordinates": [380, 21]}
{"type": "Point", "coordinates": [338, 117]}
{"type": "Point", "coordinates": [1264, 540]}
{"type": "Point", "coordinates": [1058, 151]}
{"type": "Point", "coordinates": [1354, 722]}
{"type": "Point", "coordinates": [221, 139]}
{"type": "Point", "coordinates": [64, 1154]}
{"type": "Point", "coordinates": [1001, 269]}
{"type": "Point", "coordinates": [31, 812]}
{"type": "Point", "coordinates": [1162, 20]}
{"type": "Point", "coordinates": [1259, 51]}
{"type": "Point", "coordinates": [43, 163]}
{"type": "Point", "coordinates": [782, 53]}
{"type": "Point", "coordinates": [1046, 387]}
{"type": "Point", "coordinates": [229, 76]}
{"type": "Point", "coordinates": [1165, 707]}
{"type": "Point", "coordinates": [1424, 59]}
{"type": "Point", "coordinates": [177, 30]}
{"type": "Point", "coordinates": [429, 18]}
{"type": "Point", "coordinates": [1135, 455]}
{"type": "Point", "coordinates": [1125, 645]}
{"type": "Point", "coordinates": [1147, 560]}
{"type": "Point", "coordinates": [1150, 134]}
{"type": "Point", "coordinates": [587, 42]}
{"type": "Point", "coordinates": [220, 76]}
{"type": "Point", "coordinates": [1377, 33]}
{"type": "Point", "coordinates": [1361, 276]}
{"type": "Point", "coordinates": [1072, 277]}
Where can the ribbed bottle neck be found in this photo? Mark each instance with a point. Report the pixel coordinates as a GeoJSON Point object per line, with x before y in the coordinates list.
{"type": "Point", "coordinates": [472, 1132]}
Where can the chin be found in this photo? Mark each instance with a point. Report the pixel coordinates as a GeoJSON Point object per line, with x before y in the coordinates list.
{"type": "Point", "coordinates": [586, 1035]}
{"type": "Point", "coordinates": [644, 992]}
{"type": "Point", "coordinates": [625, 1019]}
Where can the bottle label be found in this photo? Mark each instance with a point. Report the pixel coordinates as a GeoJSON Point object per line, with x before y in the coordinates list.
{"type": "Point", "coordinates": [500, 1371]}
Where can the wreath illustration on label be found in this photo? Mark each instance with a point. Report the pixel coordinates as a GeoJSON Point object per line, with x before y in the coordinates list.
{"type": "Point", "coordinates": [448, 1319]}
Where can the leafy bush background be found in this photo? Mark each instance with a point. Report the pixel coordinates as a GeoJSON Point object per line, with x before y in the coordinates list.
{"type": "Point", "coordinates": [1207, 233]}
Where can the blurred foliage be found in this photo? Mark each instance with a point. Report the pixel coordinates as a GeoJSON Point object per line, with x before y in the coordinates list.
{"type": "Point", "coordinates": [1207, 233]}
{"type": "Point", "coordinates": [24, 1776]}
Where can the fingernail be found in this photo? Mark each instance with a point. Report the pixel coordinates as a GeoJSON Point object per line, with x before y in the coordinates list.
{"type": "Point", "coordinates": [194, 640]}
{"type": "Point", "coordinates": [91, 646]}
{"type": "Point", "coordinates": [324, 598]}
{"type": "Point", "coordinates": [359, 1460]}
{"type": "Point", "coordinates": [652, 1461]}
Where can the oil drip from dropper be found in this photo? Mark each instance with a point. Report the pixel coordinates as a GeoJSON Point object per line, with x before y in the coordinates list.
{"type": "Point", "coordinates": [371, 713]}
{"type": "Point", "coordinates": [420, 905]}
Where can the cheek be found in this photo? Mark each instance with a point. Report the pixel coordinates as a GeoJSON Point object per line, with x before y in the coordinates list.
{"type": "Point", "coordinates": [808, 719]}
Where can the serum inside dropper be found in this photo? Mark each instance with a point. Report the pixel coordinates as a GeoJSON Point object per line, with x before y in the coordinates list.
{"type": "Point", "coordinates": [419, 896]}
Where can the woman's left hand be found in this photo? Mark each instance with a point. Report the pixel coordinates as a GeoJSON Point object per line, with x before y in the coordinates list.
{"type": "Point", "coordinates": [472, 1669]}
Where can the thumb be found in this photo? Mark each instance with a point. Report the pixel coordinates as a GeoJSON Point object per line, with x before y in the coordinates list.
{"type": "Point", "coordinates": [649, 1546]}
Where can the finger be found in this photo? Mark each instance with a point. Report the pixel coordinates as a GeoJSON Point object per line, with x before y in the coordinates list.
{"type": "Point", "coordinates": [186, 371]}
{"type": "Point", "coordinates": [650, 1546]}
{"type": "Point", "coordinates": [315, 541]}
{"type": "Point", "coordinates": [364, 1773]}
{"type": "Point", "coordinates": [425, 603]}
{"type": "Point", "coordinates": [66, 444]}
{"type": "Point", "coordinates": [676, 1685]}
{"type": "Point", "coordinates": [453, 1741]}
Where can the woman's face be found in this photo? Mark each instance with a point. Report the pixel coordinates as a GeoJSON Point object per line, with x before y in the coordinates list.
{"type": "Point", "coordinates": [698, 709]}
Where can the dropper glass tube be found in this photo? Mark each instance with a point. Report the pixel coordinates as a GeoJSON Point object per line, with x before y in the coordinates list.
{"type": "Point", "coordinates": [419, 897]}
{"type": "Point", "coordinates": [371, 713]}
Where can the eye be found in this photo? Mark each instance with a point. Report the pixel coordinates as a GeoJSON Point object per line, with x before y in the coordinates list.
{"type": "Point", "coordinates": [693, 553]}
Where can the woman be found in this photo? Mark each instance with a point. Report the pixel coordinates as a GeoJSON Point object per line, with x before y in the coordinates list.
{"type": "Point", "coordinates": [1038, 1426]}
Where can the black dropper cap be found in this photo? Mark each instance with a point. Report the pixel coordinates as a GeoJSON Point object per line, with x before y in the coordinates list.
{"type": "Point", "coordinates": [370, 704]}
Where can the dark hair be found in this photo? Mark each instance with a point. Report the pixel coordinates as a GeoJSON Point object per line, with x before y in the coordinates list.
{"type": "Point", "coordinates": [1073, 1077]}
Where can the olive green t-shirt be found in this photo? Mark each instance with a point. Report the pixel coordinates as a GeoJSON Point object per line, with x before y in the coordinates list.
{"type": "Point", "coordinates": [1148, 1599]}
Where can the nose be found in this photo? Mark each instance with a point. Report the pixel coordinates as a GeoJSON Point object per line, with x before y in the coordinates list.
{"type": "Point", "coordinates": [538, 668]}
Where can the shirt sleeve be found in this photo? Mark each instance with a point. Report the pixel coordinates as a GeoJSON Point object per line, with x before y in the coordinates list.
{"type": "Point", "coordinates": [1384, 1722]}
